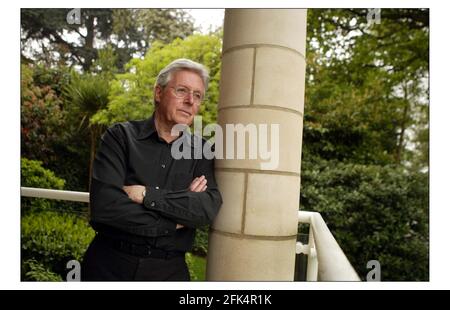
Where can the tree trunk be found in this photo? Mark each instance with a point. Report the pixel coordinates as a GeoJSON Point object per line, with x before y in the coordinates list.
{"type": "Point", "coordinates": [95, 132]}
{"type": "Point", "coordinates": [89, 43]}
{"type": "Point", "coordinates": [398, 155]}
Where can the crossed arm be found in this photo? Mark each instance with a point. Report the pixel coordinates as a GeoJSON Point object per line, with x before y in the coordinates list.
{"type": "Point", "coordinates": [134, 192]}
{"type": "Point", "coordinates": [162, 211]}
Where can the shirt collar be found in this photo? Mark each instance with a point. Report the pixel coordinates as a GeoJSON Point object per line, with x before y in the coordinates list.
{"type": "Point", "coordinates": [148, 128]}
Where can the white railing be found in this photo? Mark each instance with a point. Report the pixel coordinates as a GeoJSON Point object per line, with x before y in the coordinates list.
{"type": "Point", "coordinates": [326, 260]}
{"type": "Point", "coordinates": [54, 194]}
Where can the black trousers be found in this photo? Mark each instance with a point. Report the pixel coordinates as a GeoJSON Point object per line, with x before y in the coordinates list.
{"type": "Point", "coordinates": [102, 262]}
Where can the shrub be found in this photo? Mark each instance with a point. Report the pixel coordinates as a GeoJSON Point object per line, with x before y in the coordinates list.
{"type": "Point", "coordinates": [200, 246]}
{"type": "Point", "coordinates": [32, 270]}
{"type": "Point", "coordinates": [41, 119]}
{"type": "Point", "coordinates": [374, 212]}
{"type": "Point", "coordinates": [49, 241]}
{"type": "Point", "coordinates": [32, 174]}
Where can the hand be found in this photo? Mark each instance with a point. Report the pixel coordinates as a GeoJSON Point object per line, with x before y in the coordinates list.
{"type": "Point", "coordinates": [198, 184]}
{"type": "Point", "coordinates": [134, 192]}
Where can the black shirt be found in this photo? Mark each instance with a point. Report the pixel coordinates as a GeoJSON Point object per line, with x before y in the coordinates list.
{"type": "Point", "coordinates": [132, 153]}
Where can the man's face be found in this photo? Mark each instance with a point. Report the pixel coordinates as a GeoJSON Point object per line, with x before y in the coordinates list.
{"type": "Point", "coordinates": [175, 108]}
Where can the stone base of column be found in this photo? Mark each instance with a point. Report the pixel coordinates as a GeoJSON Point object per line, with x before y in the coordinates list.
{"type": "Point", "coordinates": [233, 258]}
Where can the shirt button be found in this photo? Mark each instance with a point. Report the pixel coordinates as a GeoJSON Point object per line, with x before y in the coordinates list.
{"type": "Point", "coordinates": [166, 232]}
{"type": "Point", "coordinates": [163, 166]}
{"type": "Point", "coordinates": [157, 187]}
{"type": "Point", "coordinates": [152, 204]}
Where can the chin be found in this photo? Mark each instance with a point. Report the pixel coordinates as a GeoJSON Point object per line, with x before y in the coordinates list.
{"type": "Point", "coordinates": [184, 120]}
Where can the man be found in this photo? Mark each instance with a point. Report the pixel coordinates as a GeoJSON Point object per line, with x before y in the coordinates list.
{"type": "Point", "coordinates": [145, 205]}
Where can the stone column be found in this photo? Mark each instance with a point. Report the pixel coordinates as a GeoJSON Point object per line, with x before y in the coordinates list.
{"type": "Point", "coordinates": [263, 76]}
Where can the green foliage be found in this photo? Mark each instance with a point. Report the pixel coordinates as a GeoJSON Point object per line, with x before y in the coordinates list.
{"type": "Point", "coordinates": [131, 95]}
{"type": "Point", "coordinates": [51, 240]}
{"type": "Point", "coordinates": [366, 100]}
{"type": "Point", "coordinates": [44, 111]}
{"type": "Point", "coordinates": [200, 246]}
{"type": "Point", "coordinates": [32, 174]}
{"type": "Point", "coordinates": [105, 65]}
{"type": "Point", "coordinates": [129, 31]}
{"type": "Point", "coordinates": [197, 267]}
{"type": "Point", "coordinates": [349, 123]}
{"type": "Point", "coordinates": [85, 95]}
{"type": "Point", "coordinates": [367, 85]}
{"type": "Point", "coordinates": [51, 25]}
{"type": "Point", "coordinates": [54, 77]}
{"type": "Point", "coordinates": [139, 28]}
{"type": "Point", "coordinates": [41, 119]}
{"type": "Point", "coordinates": [32, 270]}
{"type": "Point", "coordinates": [375, 212]}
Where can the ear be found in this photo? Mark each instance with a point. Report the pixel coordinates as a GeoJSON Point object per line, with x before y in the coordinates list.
{"type": "Point", "coordinates": [158, 93]}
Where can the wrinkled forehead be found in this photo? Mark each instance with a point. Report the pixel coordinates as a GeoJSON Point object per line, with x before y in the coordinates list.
{"type": "Point", "coordinates": [189, 78]}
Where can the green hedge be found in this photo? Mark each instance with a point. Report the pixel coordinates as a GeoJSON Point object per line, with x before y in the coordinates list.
{"type": "Point", "coordinates": [32, 174]}
{"type": "Point", "coordinates": [375, 213]}
{"type": "Point", "coordinates": [49, 241]}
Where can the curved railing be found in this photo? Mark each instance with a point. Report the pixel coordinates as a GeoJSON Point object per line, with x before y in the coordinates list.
{"type": "Point", "coordinates": [326, 260]}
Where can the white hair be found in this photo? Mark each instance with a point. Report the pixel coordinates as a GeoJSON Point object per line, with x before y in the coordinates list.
{"type": "Point", "coordinates": [165, 74]}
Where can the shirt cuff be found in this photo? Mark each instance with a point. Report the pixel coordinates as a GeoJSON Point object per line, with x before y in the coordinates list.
{"type": "Point", "coordinates": [152, 201]}
{"type": "Point", "coordinates": [153, 197]}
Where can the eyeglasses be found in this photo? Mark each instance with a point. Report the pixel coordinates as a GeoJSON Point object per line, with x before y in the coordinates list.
{"type": "Point", "coordinates": [183, 92]}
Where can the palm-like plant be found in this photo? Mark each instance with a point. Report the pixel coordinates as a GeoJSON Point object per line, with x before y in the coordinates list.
{"type": "Point", "coordinates": [85, 95]}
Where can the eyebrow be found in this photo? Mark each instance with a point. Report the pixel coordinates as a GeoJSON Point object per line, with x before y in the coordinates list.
{"type": "Point", "coordinates": [190, 88]}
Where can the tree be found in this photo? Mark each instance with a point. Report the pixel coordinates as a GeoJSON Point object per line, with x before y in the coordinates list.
{"type": "Point", "coordinates": [85, 95]}
{"type": "Point", "coordinates": [366, 84]}
{"type": "Point", "coordinates": [131, 95]}
{"type": "Point", "coordinates": [365, 141]}
{"type": "Point", "coordinates": [136, 29]}
{"type": "Point", "coordinates": [129, 31]}
{"type": "Point", "coordinates": [50, 25]}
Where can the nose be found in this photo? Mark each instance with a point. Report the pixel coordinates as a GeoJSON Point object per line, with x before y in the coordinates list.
{"type": "Point", "coordinates": [189, 98]}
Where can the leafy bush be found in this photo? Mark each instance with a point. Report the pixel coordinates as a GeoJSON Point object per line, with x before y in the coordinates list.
{"type": "Point", "coordinates": [44, 112]}
{"type": "Point", "coordinates": [32, 174]}
{"type": "Point", "coordinates": [200, 246]}
{"type": "Point", "coordinates": [374, 212]}
{"type": "Point", "coordinates": [41, 119]}
{"type": "Point", "coordinates": [51, 240]}
{"type": "Point", "coordinates": [32, 270]}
